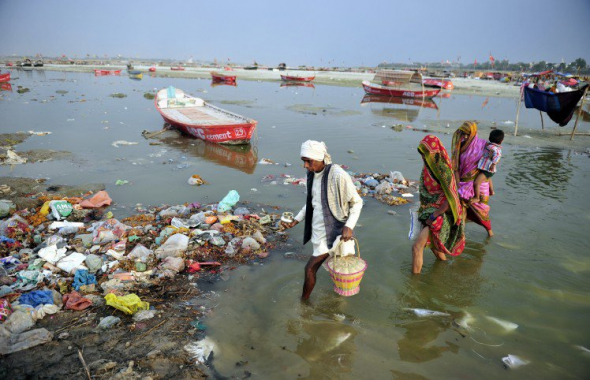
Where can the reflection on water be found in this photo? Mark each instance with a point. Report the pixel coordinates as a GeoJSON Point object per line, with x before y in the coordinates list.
{"type": "Point", "coordinates": [5, 87]}
{"type": "Point", "coordinates": [447, 288]}
{"type": "Point", "coordinates": [297, 84]}
{"type": "Point", "coordinates": [403, 109]}
{"type": "Point", "coordinates": [222, 83]}
{"type": "Point", "coordinates": [546, 171]}
{"type": "Point", "coordinates": [240, 157]}
{"type": "Point", "coordinates": [326, 344]}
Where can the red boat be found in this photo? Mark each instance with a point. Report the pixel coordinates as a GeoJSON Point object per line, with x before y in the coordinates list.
{"type": "Point", "coordinates": [297, 84]}
{"type": "Point", "coordinates": [106, 72]}
{"type": "Point", "coordinates": [294, 78]}
{"type": "Point", "coordinates": [202, 120]}
{"type": "Point", "coordinates": [376, 89]}
{"type": "Point", "coordinates": [6, 87]}
{"type": "Point", "coordinates": [9, 64]}
{"type": "Point", "coordinates": [4, 77]}
{"type": "Point", "coordinates": [222, 77]}
{"type": "Point", "coordinates": [439, 83]}
{"type": "Point", "coordinates": [152, 69]}
{"type": "Point", "coordinates": [418, 102]}
{"type": "Point", "coordinates": [177, 68]}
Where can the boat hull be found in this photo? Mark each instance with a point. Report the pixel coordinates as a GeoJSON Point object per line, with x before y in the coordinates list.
{"type": "Point", "coordinates": [229, 134]}
{"type": "Point", "coordinates": [99, 73]}
{"type": "Point", "coordinates": [223, 78]}
{"type": "Point", "coordinates": [289, 78]}
{"type": "Point", "coordinates": [152, 69]}
{"type": "Point", "coordinates": [375, 89]}
{"type": "Point", "coordinates": [438, 83]}
{"type": "Point", "coordinates": [4, 77]}
{"type": "Point", "coordinates": [177, 68]}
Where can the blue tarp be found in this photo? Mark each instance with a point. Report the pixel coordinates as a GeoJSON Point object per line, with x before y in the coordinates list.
{"type": "Point", "coordinates": [559, 107]}
{"type": "Point", "coordinates": [541, 100]}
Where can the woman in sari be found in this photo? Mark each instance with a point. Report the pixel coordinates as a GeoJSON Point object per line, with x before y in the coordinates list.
{"type": "Point", "coordinates": [467, 150]}
{"type": "Point", "coordinates": [440, 209]}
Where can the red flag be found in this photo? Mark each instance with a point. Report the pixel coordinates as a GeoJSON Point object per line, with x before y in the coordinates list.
{"type": "Point", "coordinates": [491, 58]}
{"type": "Point", "coordinates": [475, 63]}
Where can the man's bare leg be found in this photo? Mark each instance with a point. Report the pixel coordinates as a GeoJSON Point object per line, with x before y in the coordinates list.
{"type": "Point", "coordinates": [311, 268]}
{"type": "Point", "coordinates": [418, 250]}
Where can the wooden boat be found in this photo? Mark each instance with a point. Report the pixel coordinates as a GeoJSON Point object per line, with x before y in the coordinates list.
{"type": "Point", "coordinates": [106, 72]}
{"type": "Point", "coordinates": [439, 83]}
{"type": "Point", "coordinates": [295, 78]}
{"type": "Point", "coordinates": [38, 63]}
{"type": "Point", "coordinates": [251, 68]}
{"type": "Point", "coordinates": [202, 120]}
{"type": "Point", "coordinates": [177, 68]}
{"type": "Point", "coordinates": [9, 64]}
{"type": "Point", "coordinates": [376, 89]}
{"type": "Point", "coordinates": [4, 77]}
{"type": "Point", "coordinates": [135, 74]}
{"type": "Point", "coordinates": [6, 86]}
{"type": "Point", "coordinates": [27, 63]}
{"type": "Point", "coordinates": [217, 77]}
{"type": "Point", "coordinates": [152, 69]}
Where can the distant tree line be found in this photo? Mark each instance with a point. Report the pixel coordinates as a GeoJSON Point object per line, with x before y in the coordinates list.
{"type": "Point", "coordinates": [577, 66]}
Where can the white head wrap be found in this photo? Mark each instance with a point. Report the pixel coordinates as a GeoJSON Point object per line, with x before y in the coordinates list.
{"type": "Point", "coordinates": [316, 150]}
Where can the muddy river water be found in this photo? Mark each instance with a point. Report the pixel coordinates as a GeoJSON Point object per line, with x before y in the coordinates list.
{"type": "Point", "coordinates": [525, 292]}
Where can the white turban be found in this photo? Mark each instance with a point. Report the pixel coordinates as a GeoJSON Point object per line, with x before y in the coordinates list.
{"type": "Point", "coordinates": [316, 150]}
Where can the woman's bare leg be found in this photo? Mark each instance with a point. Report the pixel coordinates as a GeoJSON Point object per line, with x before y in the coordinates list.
{"type": "Point", "coordinates": [418, 250]}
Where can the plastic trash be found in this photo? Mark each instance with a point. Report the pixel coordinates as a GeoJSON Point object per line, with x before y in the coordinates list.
{"type": "Point", "coordinates": [129, 304]}
{"type": "Point", "coordinates": [250, 243]}
{"type": "Point", "coordinates": [52, 254]}
{"type": "Point", "coordinates": [428, 313]}
{"type": "Point", "coordinates": [259, 237]}
{"type": "Point", "coordinates": [82, 277]}
{"type": "Point", "coordinates": [201, 350]}
{"type": "Point", "coordinates": [174, 246]}
{"type": "Point", "coordinates": [72, 262]}
{"type": "Point", "coordinates": [108, 322]}
{"type": "Point", "coordinates": [514, 362]}
{"type": "Point", "coordinates": [5, 207]}
{"type": "Point", "coordinates": [506, 325]}
{"type": "Point", "coordinates": [24, 341]}
{"type": "Point", "coordinates": [37, 297]}
{"type": "Point", "coordinates": [175, 264]}
{"type": "Point", "coordinates": [140, 253]}
{"type": "Point", "coordinates": [13, 158]}
{"type": "Point", "coordinates": [144, 315]}
{"type": "Point", "coordinates": [384, 188]}
{"type": "Point", "coordinates": [99, 199]}
{"type": "Point", "coordinates": [19, 321]}
{"type": "Point", "coordinates": [60, 209]}
{"type": "Point", "coordinates": [5, 309]}
{"type": "Point", "coordinates": [42, 310]}
{"type": "Point", "coordinates": [74, 301]}
{"type": "Point", "coordinates": [196, 180]}
{"type": "Point", "coordinates": [241, 211]}
{"type": "Point", "coordinates": [217, 240]}
{"type": "Point", "coordinates": [230, 250]}
{"type": "Point", "coordinates": [228, 201]}
{"type": "Point", "coordinates": [396, 177]}
{"type": "Point", "coordinates": [415, 224]}
{"type": "Point", "coordinates": [121, 182]}
{"type": "Point", "coordinates": [93, 262]}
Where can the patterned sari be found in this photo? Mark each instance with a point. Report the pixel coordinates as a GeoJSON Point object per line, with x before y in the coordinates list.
{"type": "Point", "coordinates": [465, 159]}
{"type": "Point", "coordinates": [437, 185]}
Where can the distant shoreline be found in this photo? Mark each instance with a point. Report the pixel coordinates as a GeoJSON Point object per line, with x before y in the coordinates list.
{"type": "Point", "coordinates": [333, 78]}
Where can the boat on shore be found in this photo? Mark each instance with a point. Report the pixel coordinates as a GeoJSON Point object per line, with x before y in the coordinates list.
{"type": "Point", "coordinates": [217, 77]}
{"type": "Point", "coordinates": [439, 83]}
{"type": "Point", "coordinates": [4, 77]}
{"type": "Point", "coordinates": [152, 69]}
{"type": "Point", "coordinates": [376, 89]}
{"type": "Point", "coordinates": [27, 63]}
{"type": "Point", "coordinates": [202, 120]}
{"type": "Point", "coordinates": [296, 78]}
{"type": "Point", "coordinates": [400, 83]}
{"type": "Point", "coordinates": [106, 72]}
{"type": "Point", "coordinates": [38, 63]}
{"type": "Point", "coordinates": [177, 68]}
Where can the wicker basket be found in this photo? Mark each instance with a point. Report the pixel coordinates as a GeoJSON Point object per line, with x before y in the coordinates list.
{"type": "Point", "coordinates": [347, 284]}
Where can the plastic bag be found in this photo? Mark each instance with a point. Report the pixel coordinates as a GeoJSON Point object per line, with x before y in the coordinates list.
{"type": "Point", "coordinates": [72, 262]}
{"type": "Point", "coordinates": [82, 277]}
{"type": "Point", "coordinates": [60, 209]}
{"type": "Point", "coordinates": [36, 298]}
{"type": "Point", "coordinates": [24, 341]}
{"type": "Point", "coordinates": [140, 253]}
{"type": "Point", "coordinates": [396, 177]}
{"type": "Point", "coordinates": [19, 321]}
{"type": "Point", "coordinates": [228, 201]}
{"type": "Point", "coordinates": [174, 246]}
{"type": "Point", "coordinates": [129, 304]}
{"type": "Point", "coordinates": [52, 254]}
{"type": "Point", "coordinates": [42, 310]}
{"type": "Point", "coordinates": [5, 207]}
{"type": "Point", "coordinates": [5, 309]}
{"type": "Point", "coordinates": [74, 301]}
{"type": "Point", "coordinates": [175, 264]}
{"type": "Point", "coordinates": [415, 224]}
{"type": "Point", "coordinates": [108, 322]}
{"type": "Point", "coordinates": [98, 200]}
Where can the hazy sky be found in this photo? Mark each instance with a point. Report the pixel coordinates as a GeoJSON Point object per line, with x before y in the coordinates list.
{"type": "Point", "coordinates": [331, 32]}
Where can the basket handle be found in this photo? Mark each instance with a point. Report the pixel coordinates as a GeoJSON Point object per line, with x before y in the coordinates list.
{"type": "Point", "coordinates": [358, 250]}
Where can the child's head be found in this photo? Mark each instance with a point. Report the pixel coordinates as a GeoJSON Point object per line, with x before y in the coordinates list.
{"type": "Point", "coordinates": [497, 136]}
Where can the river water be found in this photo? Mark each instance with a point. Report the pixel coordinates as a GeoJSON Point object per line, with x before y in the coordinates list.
{"type": "Point", "coordinates": [533, 274]}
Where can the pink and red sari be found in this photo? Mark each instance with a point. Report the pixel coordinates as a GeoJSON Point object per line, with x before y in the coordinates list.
{"type": "Point", "coordinates": [465, 156]}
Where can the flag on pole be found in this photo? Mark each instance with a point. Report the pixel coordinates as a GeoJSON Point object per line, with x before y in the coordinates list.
{"type": "Point", "coordinates": [492, 60]}
{"type": "Point", "coordinates": [475, 63]}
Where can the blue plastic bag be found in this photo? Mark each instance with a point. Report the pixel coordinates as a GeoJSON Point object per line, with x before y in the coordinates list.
{"type": "Point", "coordinates": [228, 201]}
{"type": "Point", "coordinates": [36, 298]}
{"type": "Point", "coordinates": [82, 277]}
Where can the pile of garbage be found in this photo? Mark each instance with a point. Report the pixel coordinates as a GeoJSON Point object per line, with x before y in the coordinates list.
{"type": "Point", "coordinates": [71, 254]}
{"type": "Point", "coordinates": [392, 188]}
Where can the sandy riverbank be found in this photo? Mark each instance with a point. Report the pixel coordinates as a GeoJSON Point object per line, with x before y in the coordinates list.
{"type": "Point", "coordinates": [333, 78]}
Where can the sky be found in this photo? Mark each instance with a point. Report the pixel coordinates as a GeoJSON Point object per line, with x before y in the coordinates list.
{"type": "Point", "coordinates": [304, 32]}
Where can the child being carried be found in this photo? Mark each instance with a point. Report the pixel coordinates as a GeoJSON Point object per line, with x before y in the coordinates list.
{"type": "Point", "coordinates": [488, 162]}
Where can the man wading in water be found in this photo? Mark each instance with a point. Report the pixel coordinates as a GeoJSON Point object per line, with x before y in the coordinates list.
{"type": "Point", "coordinates": [334, 208]}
